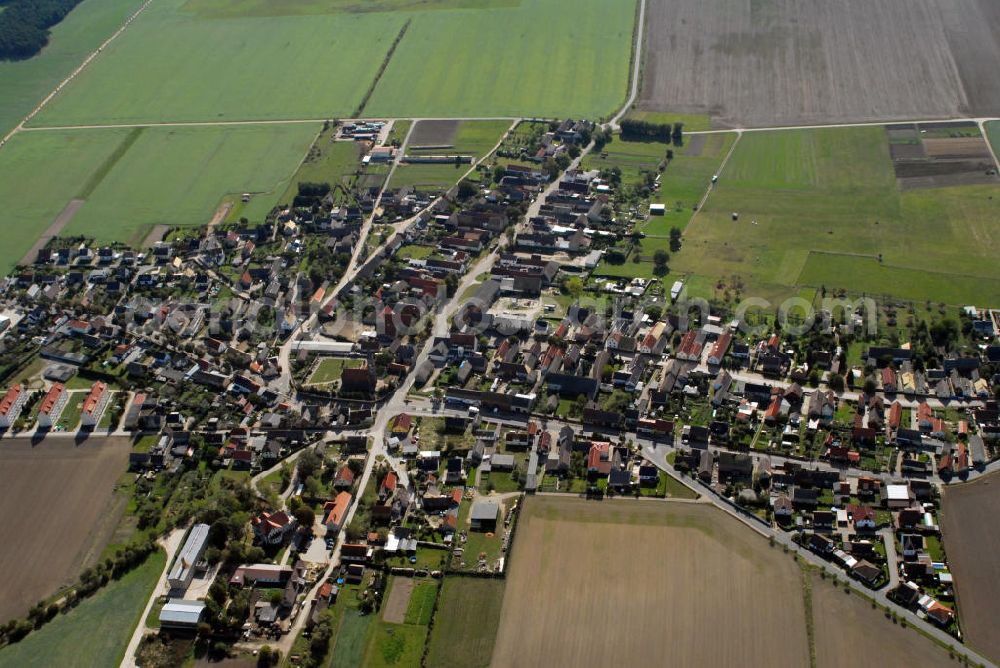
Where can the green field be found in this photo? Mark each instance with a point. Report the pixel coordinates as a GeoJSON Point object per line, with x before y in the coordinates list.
{"type": "Point", "coordinates": [351, 640]}
{"type": "Point", "coordinates": [465, 624]}
{"type": "Point", "coordinates": [97, 631]}
{"type": "Point", "coordinates": [237, 8]}
{"type": "Point", "coordinates": [533, 59]}
{"type": "Point", "coordinates": [183, 67]}
{"type": "Point", "coordinates": [205, 60]}
{"type": "Point", "coordinates": [421, 607]}
{"type": "Point", "coordinates": [818, 207]}
{"type": "Point", "coordinates": [395, 645]}
{"type": "Point", "coordinates": [39, 174]}
{"type": "Point", "coordinates": [475, 138]}
{"type": "Point", "coordinates": [25, 83]}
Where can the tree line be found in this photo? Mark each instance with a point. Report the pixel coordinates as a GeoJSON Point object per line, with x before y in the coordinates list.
{"type": "Point", "coordinates": [24, 25]}
{"type": "Point", "coordinates": [636, 130]}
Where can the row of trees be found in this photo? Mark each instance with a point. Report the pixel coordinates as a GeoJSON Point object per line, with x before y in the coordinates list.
{"type": "Point", "coordinates": [633, 129]}
{"type": "Point", "coordinates": [24, 26]}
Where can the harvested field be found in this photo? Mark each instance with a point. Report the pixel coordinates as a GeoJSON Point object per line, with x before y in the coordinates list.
{"type": "Point", "coordinates": [789, 62]}
{"type": "Point", "coordinates": [957, 148]}
{"type": "Point", "coordinates": [433, 133]}
{"type": "Point", "coordinates": [914, 151]}
{"type": "Point", "coordinates": [939, 155]}
{"type": "Point", "coordinates": [56, 498]}
{"type": "Point", "coordinates": [971, 532]}
{"type": "Point", "coordinates": [688, 571]}
{"type": "Point", "coordinates": [396, 605]}
{"type": "Point", "coordinates": [843, 621]}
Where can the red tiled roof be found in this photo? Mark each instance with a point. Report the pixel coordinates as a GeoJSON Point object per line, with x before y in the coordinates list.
{"type": "Point", "coordinates": [94, 398]}
{"type": "Point", "coordinates": [51, 398]}
{"type": "Point", "coordinates": [10, 399]}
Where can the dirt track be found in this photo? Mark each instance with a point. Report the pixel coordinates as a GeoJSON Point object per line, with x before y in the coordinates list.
{"type": "Point", "coordinates": [623, 583]}
{"type": "Point", "coordinates": [55, 498]}
{"type": "Point", "coordinates": [53, 230]}
{"type": "Point", "coordinates": [776, 62]}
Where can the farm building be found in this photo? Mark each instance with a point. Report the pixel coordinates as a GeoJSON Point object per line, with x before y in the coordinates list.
{"type": "Point", "coordinates": [181, 614]}
{"type": "Point", "coordinates": [183, 570]}
{"type": "Point", "coordinates": [483, 516]}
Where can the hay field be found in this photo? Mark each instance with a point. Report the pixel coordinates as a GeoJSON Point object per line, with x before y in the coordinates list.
{"type": "Point", "coordinates": [766, 63]}
{"type": "Point", "coordinates": [972, 538]}
{"type": "Point", "coordinates": [817, 208]}
{"type": "Point", "coordinates": [847, 627]}
{"type": "Point", "coordinates": [55, 497]}
{"type": "Point", "coordinates": [680, 580]}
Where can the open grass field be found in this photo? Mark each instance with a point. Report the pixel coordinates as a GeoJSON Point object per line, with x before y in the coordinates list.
{"type": "Point", "coordinates": [24, 83]}
{"type": "Point", "coordinates": [56, 496]}
{"type": "Point", "coordinates": [970, 532]}
{"type": "Point", "coordinates": [787, 62]}
{"type": "Point", "coordinates": [178, 176]}
{"type": "Point", "coordinates": [39, 174]}
{"type": "Point", "coordinates": [181, 66]}
{"type": "Point", "coordinates": [97, 631]}
{"type": "Point", "coordinates": [685, 581]}
{"type": "Point", "coordinates": [465, 623]}
{"type": "Point", "coordinates": [843, 621]}
{"type": "Point", "coordinates": [527, 60]}
{"type": "Point", "coordinates": [204, 60]}
{"type": "Point", "coordinates": [133, 179]}
{"type": "Point", "coordinates": [351, 641]}
{"type": "Point", "coordinates": [399, 645]}
{"type": "Point", "coordinates": [819, 207]}
{"type": "Point", "coordinates": [473, 138]}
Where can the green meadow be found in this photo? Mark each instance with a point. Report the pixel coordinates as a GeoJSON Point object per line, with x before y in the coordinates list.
{"type": "Point", "coordinates": [94, 633]}
{"type": "Point", "coordinates": [540, 58]}
{"type": "Point", "coordinates": [40, 172]}
{"type": "Point", "coordinates": [178, 176]}
{"type": "Point", "coordinates": [205, 60]}
{"type": "Point", "coordinates": [182, 67]}
{"type": "Point", "coordinates": [24, 83]}
{"type": "Point", "coordinates": [134, 178]}
{"type": "Point", "coordinates": [821, 208]}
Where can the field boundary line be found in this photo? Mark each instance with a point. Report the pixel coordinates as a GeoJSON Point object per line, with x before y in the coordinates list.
{"type": "Point", "coordinates": [858, 124]}
{"type": "Point", "coordinates": [382, 68]}
{"type": "Point", "coordinates": [72, 75]}
{"type": "Point", "coordinates": [711, 186]}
